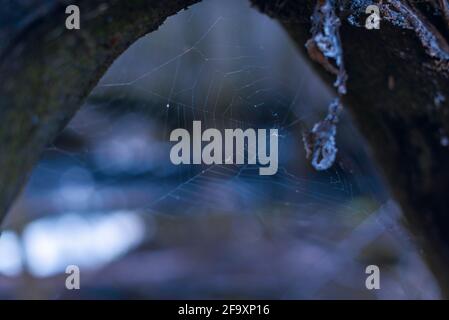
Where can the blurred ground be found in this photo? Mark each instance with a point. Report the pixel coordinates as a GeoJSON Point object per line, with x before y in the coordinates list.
{"type": "Point", "coordinates": [106, 197]}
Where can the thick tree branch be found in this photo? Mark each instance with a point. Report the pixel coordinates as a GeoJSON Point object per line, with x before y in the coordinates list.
{"type": "Point", "coordinates": [46, 70]}
{"type": "Point", "coordinates": [398, 95]}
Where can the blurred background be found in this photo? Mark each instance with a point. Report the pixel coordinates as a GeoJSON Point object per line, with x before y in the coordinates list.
{"type": "Point", "coordinates": [106, 197]}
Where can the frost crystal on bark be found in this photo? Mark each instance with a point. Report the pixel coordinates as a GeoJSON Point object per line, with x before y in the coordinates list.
{"type": "Point", "coordinates": [325, 48]}
{"type": "Point", "coordinates": [406, 17]}
{"type": "Point", "coordinates": [325, 45]}
{"type": "Point", "coordinates": [320, 142]}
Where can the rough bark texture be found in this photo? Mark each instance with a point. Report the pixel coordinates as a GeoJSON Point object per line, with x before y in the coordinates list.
{"type": "Point", "coordinates": [395, 99]}
{"type": "Point", "coordinates": [392, 93]}
{"type": "Point", "coordinates": [46, 70]}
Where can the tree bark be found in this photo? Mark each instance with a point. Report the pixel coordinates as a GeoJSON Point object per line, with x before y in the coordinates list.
{"type": "Point", "coordinates": [46, 71]}
{"type": "Point", "coordinates": [401, 105]}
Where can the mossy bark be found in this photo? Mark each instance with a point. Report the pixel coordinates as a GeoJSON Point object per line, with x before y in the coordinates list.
{"type": "Point", "coordinates": [46, 71]}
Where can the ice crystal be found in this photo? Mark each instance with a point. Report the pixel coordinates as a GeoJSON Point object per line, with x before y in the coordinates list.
{"type": "Point", "coordinates": [325, 48]}
{"type": "Point", "coordinates": [319, 143]}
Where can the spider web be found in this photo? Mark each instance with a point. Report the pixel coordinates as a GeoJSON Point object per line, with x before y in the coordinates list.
{"type": "Point", "coordinates": [232, 85]}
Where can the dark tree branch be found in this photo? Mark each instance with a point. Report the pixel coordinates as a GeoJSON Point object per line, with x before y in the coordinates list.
{"type": "Point", "coordinates": [398, 95]}
{"type": "Point", "coordinates": [46, 71]}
